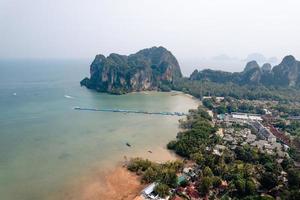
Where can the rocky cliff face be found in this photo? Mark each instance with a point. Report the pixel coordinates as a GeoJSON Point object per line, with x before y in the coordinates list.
{"type": "Point", "coordinates": [149, 69]}
{"type": "Point", "coordinates": [252, 65]}
{"type": "Point", "coordinates": [287, 73]}
{"type": "Point", "coordinates": [266, 68]}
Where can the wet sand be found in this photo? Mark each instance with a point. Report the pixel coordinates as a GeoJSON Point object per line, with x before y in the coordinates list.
{"type": "Point", "coordinates": [116, 183]}
{"type": "Point", "coordinates": [119, 184]}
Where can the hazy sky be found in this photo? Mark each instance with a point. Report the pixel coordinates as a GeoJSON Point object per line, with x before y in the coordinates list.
{"type": "Point", "coordinates": [191, 29]}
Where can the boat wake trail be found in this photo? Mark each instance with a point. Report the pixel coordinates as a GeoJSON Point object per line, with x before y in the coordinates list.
{"type": "Point", "coordinates": [68, 97]}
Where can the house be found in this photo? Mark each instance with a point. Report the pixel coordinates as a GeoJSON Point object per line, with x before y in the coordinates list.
{"type": "Point", "coordinates": [220, 132]}
{"type": "Point", "coordinates": [192, 192]}
{"type": "Point", "coordinates": [271, 138]}
{"type": "Point", "coordinates": [189, 172]}
{"type": "Point", "coordinates": [294, 117]}
{"type": "Point", "coordinates": [270, 148]}
{"type": "Point", "coordinates": [250, 138]}
{"type": "Point", "coordinates": [283, 177]}
{"type": "Point", "coordinates": [218, 149]}
{"type": "Point", "coordinates": [228, 138]}
{"type": "Point", "coordinates": [223, 185]}
{"type": "Point", "coordinates": [177, 198]}
{"type": "Point", "coordinates": [181, 179]}
{"type": "Point", "coordinates": [245, 116]}
{"type": "Point", "coordinates": [255, 117]}
{"type": "Point", "coordinates": [281, 136]}
{"type": "Point", "coordinates": [221, 116]}
{"type": "Point", "coordinates": [259, 144]}
{"type": "Point", "coordinates": [241, 116]}
{"type": "Point", "coordinates": [286, 147]}
{"type": "Point", "coordinates": [218, 99]}
{"type": "Point", "coordinates": [244, 132]}
{"type": "Point", "coordinates": [262, 131]}
{"type": "Point", "coordinates": [148, 193]}
{"type": "Point", "coordinates": [267, 112]}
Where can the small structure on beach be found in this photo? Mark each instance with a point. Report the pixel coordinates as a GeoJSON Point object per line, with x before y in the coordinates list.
{"type": "Point", "coordinates": [148, 193]}
{"type": "Point", "coordinates": [246, 116]}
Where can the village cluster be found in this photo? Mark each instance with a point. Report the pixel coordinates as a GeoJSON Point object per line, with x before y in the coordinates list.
{"type": "Point", "coordinates": [236, 130]}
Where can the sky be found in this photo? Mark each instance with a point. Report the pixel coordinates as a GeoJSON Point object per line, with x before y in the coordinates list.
{"type": "Point", "coordinates": [198, 32]}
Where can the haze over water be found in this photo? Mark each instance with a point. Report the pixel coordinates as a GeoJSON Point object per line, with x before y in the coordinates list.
{"type": "Point", "coordinates": [45, 144]}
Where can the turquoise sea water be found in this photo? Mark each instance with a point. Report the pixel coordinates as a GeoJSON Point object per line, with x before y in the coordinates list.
{"type": "Point", "coordinates": [44, 143]}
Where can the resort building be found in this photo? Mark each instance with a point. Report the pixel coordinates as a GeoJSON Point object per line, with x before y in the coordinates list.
{"type": "Point", "coordinates": [149, 194]}
{"type": "Point", "coordinates": [218, 99]}
{"type": "Point", "coordinates": [262, 131]}
{"type": "Point", "coordinates": [245, 116]}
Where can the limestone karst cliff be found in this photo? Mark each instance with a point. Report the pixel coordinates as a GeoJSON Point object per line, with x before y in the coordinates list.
{"type": "Point", "coordinates": [149, 69]}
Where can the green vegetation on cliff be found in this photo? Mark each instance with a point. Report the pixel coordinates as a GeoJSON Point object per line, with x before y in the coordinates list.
{"type": "Point", "coordinates": [149, 69]}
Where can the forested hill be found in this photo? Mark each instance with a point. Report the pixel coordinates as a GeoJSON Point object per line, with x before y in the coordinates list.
{"type": "Point", "coordinates": [286, 74]}
{"type": "Point", "coordinates": [281, 82]}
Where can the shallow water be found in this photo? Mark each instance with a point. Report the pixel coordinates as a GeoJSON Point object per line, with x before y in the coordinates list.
{"type": "Point", "coordinates": [45, 143]}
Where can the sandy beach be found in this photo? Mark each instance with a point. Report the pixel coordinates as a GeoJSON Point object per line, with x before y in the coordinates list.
{"type": "Point", "coordinates": [119, 184]}
{"type": "Point", "coordinates": [115, 184]}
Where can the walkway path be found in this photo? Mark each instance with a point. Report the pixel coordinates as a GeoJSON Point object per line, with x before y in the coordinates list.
{"type": "Point", "coordinates": [131, 111]}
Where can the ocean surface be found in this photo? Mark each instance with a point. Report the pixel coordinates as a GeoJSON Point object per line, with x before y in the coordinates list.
{"type": "Point", "coordinates": [45, 144]}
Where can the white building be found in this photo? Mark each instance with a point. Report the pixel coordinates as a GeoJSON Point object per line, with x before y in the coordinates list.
{"type": "Point", "coordinates": [148, 193]}
{"type": "Point", "coordinates": [246, 116]}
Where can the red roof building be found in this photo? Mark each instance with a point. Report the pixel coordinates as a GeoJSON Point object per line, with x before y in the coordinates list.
{"type": "Point", "coordinates": [279, 135]}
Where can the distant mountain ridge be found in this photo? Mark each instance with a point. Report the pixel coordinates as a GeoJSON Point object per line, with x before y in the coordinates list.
{"type": "Point", "coordinates": [285, 74]}
{"type": "Point", "coordinates": [149, 69]}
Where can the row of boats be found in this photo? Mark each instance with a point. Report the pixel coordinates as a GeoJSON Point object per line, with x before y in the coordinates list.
{"type": "Point", "coordinates": [132, 111]}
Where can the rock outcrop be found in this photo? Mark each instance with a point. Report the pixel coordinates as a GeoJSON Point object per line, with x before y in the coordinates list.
{"type": "Point", "coordinates": [251, 66]}
{"type": "Point", "coordinates": [287, 73]}
{"type": "Point", "coordinates": [266, 68]}
{"type": "Point", "coordinates": [149, 69]}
